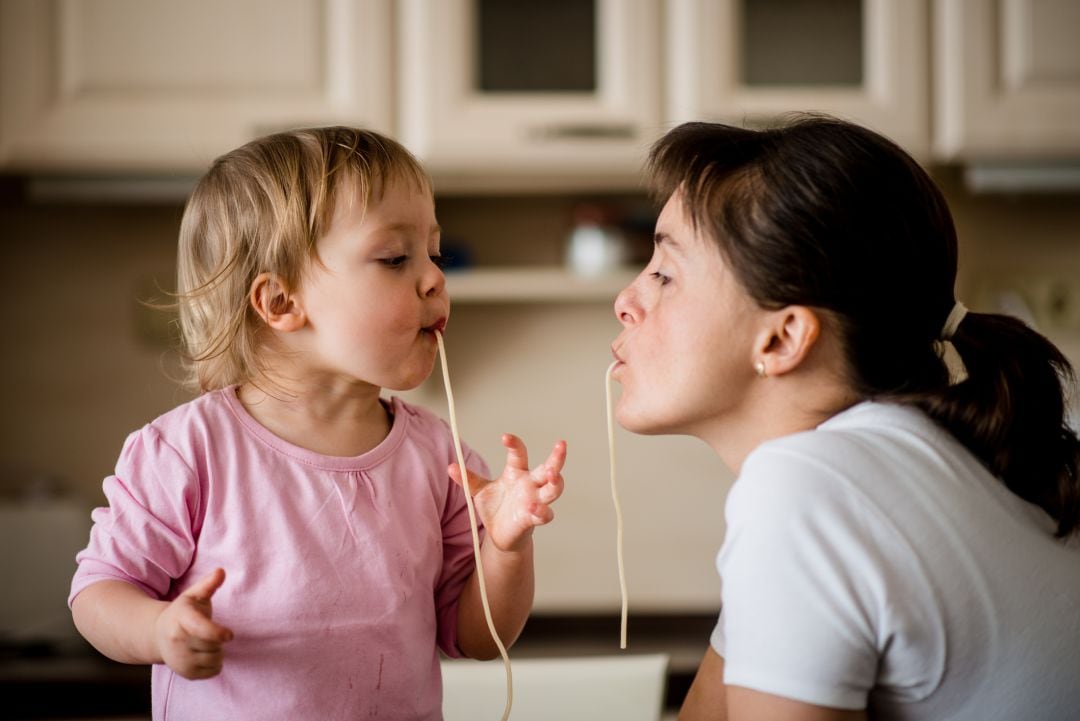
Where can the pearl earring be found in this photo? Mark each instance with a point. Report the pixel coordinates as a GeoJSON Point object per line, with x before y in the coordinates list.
{"type": "Point", "coordinates": [759, 368]}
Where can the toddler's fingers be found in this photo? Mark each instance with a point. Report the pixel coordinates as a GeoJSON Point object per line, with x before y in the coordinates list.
{"type": "Point", "coordinates": [207, 666]}
{"type": "Point", "coordinates": [552, 489]}
{"type": "Point", "coordinates": [517, 456]}
{"type": "Point", "coordinates": [200, 627]}
{"type": "Point", "coordinates": [204, 645]}
{"type": "Point", "coordinates": [476, 482]}
{"type": "Point", "coordinates": [541, 514]}
{"type": "Point", "coordinates": [557, 458]}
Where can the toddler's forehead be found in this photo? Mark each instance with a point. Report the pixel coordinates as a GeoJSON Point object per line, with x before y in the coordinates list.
{"type": "Point", "coordinates": [353, 188]}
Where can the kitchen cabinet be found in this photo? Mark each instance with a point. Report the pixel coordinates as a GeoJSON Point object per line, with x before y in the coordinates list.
{"type": "Point", "coordinates": [123, 86]}
{"type": "Point", "coordinates": [749, 61]}
{"type": "Point", "coordinates": [551, 91]}
{"type": "Point", "coordinates": [499, 96]}
{"type": "Point", "coordinates": [727, 60]}
{"type": "Point", "coordinates": [1007, 79]}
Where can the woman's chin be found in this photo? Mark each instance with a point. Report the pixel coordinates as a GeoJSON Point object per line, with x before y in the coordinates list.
{"type": "Point", "coordinates": [641, 422]}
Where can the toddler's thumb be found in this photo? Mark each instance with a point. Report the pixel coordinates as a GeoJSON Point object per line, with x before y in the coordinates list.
{"type": "Point", "coordinates": [204, 588]}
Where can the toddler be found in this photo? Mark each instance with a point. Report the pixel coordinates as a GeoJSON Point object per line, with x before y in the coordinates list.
{"type": "Point", "coordinates": [290, 545]}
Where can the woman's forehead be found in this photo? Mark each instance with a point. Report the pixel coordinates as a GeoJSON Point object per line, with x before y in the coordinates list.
{"type": "Point", "coordinates": [677, 231]}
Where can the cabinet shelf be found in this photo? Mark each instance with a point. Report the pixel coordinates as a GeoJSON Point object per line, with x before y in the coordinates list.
{"type": "Point", "coordinates": [552, 284]}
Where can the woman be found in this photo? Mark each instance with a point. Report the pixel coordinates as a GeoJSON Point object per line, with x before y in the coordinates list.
{"type": "Point", "coordinates": [901, 533]}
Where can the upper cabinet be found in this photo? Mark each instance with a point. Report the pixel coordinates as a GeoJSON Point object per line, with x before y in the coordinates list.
{"type": "Point", "coordinates": [158, 86]}
{"type": "Point", "coordinates": [748, 61]}
{"type": "Point", "coordinates": [529, 94]}
{"type": "Point", "coordinates": [567, 88]}
{"type": "Point", "coordinates": [1007, 79]}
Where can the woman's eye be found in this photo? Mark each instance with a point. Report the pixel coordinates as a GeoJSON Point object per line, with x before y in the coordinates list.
{"type": "Point", "coordinates": [396, 262]}
{"type": "Point", "coordinates": [660, 277]}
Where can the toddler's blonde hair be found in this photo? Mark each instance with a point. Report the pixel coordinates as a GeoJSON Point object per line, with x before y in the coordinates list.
{"type": "Point", "coordinates": [260, 209]}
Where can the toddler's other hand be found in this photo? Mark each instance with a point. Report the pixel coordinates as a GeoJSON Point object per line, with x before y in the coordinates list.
{"type": "Point", "coordinates": [189, 642]}
{"type": "Point", "coordinates": [518, 500]}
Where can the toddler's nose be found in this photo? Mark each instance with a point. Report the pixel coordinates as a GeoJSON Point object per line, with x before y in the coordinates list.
{"type": "Point", "coordinates": [433, 282]}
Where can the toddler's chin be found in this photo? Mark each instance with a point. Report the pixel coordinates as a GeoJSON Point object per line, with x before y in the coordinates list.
{"type": "Point", "coordinates": [411, 381]}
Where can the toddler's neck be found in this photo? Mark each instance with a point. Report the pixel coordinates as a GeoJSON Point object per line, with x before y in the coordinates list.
{"type": "Point", "coordinates": [342, 422]}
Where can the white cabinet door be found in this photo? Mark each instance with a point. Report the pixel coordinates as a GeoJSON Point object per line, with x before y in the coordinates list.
{"type": "Point", "coordinates": [1007, 79]}
{"type": "Point", "coordinates": [469, 112]}
{"type": "Point", "coordinates": [750, 61]}
{"type": "Point", "coordinates": [154, 85]}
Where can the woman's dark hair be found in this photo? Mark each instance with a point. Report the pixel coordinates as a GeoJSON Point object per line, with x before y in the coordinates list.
{"type": "Point", "coordinates": [822, 213]}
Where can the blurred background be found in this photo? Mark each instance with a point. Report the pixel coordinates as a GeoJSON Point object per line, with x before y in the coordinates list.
{"type": "Point", "coordinates": [534, 118]}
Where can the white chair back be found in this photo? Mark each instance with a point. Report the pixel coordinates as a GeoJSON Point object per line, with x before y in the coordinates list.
{"type": "Point", "coordinates": [593, 688]}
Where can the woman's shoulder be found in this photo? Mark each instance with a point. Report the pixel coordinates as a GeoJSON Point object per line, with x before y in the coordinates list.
{"type": "Point", "coordinates": [865, 433]}
{"type": "Point", "coordinates": [852, 451]}
{"type": "Point", "coordinates": [872, 456]}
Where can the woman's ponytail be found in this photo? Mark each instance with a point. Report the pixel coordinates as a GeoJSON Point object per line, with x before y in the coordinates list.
{"type": "Point", "coordinates": [1011, 412]}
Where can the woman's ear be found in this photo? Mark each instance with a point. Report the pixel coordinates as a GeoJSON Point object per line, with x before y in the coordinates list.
{"type": "Point", "coordinates": [786, 342]}
{"type": "Point", "coordinates": [271, 299]}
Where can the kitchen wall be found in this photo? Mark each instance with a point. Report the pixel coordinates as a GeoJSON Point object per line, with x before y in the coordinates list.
{"type": "Point", "coordinates": [83, 366]}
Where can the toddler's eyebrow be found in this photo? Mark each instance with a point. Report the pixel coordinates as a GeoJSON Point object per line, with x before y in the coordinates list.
{"type": "Point", "coordinates": [409, 228]}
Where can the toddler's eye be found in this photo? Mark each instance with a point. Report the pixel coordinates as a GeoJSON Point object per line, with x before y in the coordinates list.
{"type": "Point", "coordinates": [440, 260]}
{"type": "Point", "coordinates": [660, 277]}
{"type": "Point", "coordinates": [396, 262]}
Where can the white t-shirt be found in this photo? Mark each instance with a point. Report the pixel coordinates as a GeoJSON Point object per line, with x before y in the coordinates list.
{"type": "Point", "coordinates": [875, 563]}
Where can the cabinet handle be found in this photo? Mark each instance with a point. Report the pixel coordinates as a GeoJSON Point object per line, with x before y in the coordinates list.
{"type": "Point", "coordinates": [583, 131]}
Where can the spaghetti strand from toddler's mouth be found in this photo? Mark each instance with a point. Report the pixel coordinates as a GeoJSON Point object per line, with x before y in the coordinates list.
{"type": "Point", "coordinates": [475, 530]}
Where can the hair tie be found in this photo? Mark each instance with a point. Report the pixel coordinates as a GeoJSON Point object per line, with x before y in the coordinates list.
{"type": "Point", "coordinates": [945, 348]}
{"type": "Point", "coordinates": [956, 316]}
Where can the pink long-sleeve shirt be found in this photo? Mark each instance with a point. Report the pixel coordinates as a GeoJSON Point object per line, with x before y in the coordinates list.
{"type": "Point", "coordinates": [342, 574]}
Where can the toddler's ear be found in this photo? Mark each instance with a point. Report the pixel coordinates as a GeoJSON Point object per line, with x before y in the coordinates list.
{"type": "Point", "coordinates": [271, 300]}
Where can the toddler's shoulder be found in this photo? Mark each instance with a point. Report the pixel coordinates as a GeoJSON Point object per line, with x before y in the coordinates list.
{"type": "Point", "coordinates": [422, 418]}
{"type": "Point", "coordinates": [207, 411]}
{"type": "Point", "coordinates": [428, 431]}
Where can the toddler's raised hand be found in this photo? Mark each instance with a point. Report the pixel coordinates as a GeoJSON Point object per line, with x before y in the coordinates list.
{"type": "Point", "coordinates": [518, 500]}
{"type": "Point", "coordinates": [189, 642]}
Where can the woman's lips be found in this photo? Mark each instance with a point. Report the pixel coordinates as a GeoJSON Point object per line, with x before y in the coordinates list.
{"type": "Point", "coordinates": [618, 364]}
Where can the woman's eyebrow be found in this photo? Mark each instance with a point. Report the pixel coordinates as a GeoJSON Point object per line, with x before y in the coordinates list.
{"type": "Point", "coordinates": [665, 239]}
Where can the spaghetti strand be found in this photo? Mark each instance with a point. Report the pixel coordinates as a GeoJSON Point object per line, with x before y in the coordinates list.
{"type": "Point", "coordinates": [618, 508]}
{"type": "Point", "coordinates": [473, 526]}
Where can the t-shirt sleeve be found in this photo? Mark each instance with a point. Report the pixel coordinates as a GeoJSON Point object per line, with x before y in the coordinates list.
{"type": "Point", "coordinates": [145, 535]}
{"type": "Point", "coordinates": [801, 589]}
{"type": "Point", "coordinates": [458, 560]}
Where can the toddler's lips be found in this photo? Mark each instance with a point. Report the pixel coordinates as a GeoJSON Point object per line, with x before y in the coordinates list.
{"type": "Point", "coordinates": [439, 325]}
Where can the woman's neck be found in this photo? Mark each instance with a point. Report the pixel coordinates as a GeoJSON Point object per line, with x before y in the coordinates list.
{"type": "Point", "coordinates": [782, 406]}
{"type": "Point", "coordinates": [333, 418]}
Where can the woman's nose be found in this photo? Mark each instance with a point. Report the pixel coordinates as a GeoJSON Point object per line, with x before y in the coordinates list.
{"type": "Point", "coordinates": [627, 308]}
